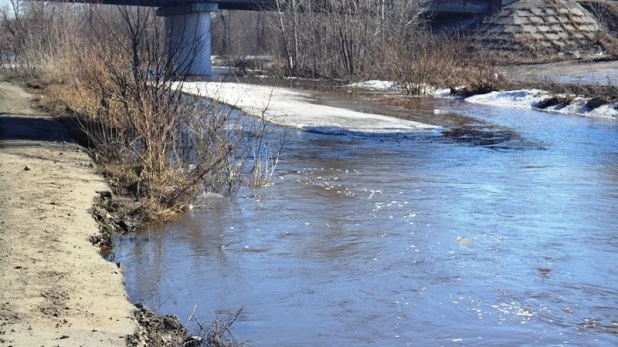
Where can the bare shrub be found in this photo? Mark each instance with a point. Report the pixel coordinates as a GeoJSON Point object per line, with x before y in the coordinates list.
{"type": "Point", "coordinates": [420, 61]}
{"type": "Point", "coordinates": [265, 156]}
{"type": "Point", "coordinates": [219, 333]}
{"type": "Point", "coordinates": [340, 39]}
{"type": "Point", "coordinates": [123, 85]}
{"type": "Point", "coordinates": [423, 61]}
{"type": "Point", "coordinates": [178, 145]}
{"type": "Point", "coordinates": [34, 37]}
{"type": "Point", "coordinates": [479, 72]}
{"type": "Point", "coordinates": [348, 40]}
{"type": "Point", "coordinates": [606, 14]}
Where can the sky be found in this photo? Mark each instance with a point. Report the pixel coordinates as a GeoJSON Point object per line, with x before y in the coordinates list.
{"type": "Point", "coordinates": [4, 3]}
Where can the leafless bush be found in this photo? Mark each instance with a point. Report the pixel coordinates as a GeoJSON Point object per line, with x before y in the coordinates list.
{"type": "Point", "coordinates": [180, 145]}
{"type": "Point", "coordinates": [265, 156]}
{"type": "Point", "coordinates": [238, 34]}
{"type": "Point", "coordinates": [34, 36]}
{"type": "Point", "coordinates": [606, 14]}
{"type": "Point", "coordinates": [123, 85]}
{"type": "Point", "coordinates": [354, 40]}
{"type": "Point", "coordinates": [341, 39]}
{"type": "Point", "coordinates": [219, 333]}
{"type": "Point", "coordinates": [417, 63]}
{"type": "Point", "coordinates": [423, 61]}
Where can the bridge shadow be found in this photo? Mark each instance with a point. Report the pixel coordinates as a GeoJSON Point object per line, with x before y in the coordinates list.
{"type": "Point", "coordinates": [27, 127]}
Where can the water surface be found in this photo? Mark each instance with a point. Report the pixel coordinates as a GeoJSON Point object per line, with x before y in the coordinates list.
{"type": "Point", "coordinates": [499, 232]}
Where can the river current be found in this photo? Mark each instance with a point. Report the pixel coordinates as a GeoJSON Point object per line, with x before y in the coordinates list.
{"type": "Point", "coordinates": [501, 232]}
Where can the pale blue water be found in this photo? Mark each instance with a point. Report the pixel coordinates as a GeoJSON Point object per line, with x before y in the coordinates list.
{"type": "Point", "coordinates": [602, 77]}
{"type": "Point", "coordinates": [504, 234]}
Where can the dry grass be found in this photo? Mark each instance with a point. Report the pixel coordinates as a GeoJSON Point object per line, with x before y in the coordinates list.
{"type": "Point", "coordinates": [115, 82]}
{"type": "Point", "coordinates": [427, 61]}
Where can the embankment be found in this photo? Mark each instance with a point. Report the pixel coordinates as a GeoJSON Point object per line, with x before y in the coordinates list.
{"type": "Point", "coordinates": [56, 289]}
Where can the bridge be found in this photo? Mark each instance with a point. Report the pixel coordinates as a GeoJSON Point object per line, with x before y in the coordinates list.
{"type": "Point", "coordinates": [188, 21]}
{"type": "Point", "coordinates": [437, 6]}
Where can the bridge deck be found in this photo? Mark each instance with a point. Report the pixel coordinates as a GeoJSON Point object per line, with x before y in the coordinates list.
{"type": "Point", "coordinates": [438, 6]}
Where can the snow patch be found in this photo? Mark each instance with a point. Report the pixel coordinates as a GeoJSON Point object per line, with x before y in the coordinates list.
{"type": "Point", "coordinates": [534, 97]}
{"type": "Point", "coordinates": [513, 98]}
{"type": "Point", "coordinates": [296, 109]}
{"type": "Point", "coordinates": [375, 85]}
{"type": "Point", "coordinates": [391, 86]}
{"type": "Point", "coordinates": [442, 93]}
{"type": "Point", "coordinates": [606, 111]}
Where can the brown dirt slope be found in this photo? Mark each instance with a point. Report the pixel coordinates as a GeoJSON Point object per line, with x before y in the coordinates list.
{"type": "Point", "coordinates": [55, 288]}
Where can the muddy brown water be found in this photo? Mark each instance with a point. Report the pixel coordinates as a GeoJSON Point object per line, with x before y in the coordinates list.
{"type": "Point", "coordinates": [501, 230]}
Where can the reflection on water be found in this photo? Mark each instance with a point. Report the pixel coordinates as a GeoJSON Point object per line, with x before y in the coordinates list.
{"type": "Point", "coordinates": [490, 137]}
{"type": "Point", "coordinates": [417, 239]}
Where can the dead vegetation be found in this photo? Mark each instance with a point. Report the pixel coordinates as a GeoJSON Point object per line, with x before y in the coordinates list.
{"type": "Point", "coordinates": [112, 77]}
{"type": "Point", "coordinates": [374, 39]}
{"type": "Point", "coordinates": [606, 13]}
{"type": "Point", "coordinates": [345, 41]}
{"type": "Point", "coordinates": [167, 330]}
{"type": "Point", "coordinates": [565, 93]}
{"type": "Point", "coordinates": [218, 333]}
{"type": "Point", "coordinates": [158, 330]}
{"type": "Point", "coordinates": [115, 80]}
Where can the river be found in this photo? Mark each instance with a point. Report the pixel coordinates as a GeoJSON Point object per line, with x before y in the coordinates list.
{"type": "Point", "coordinates": [500, 232]}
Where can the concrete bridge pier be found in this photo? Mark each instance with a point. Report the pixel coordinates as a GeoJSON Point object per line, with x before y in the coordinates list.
{"type": "Point", "coordinates": [188, 36]}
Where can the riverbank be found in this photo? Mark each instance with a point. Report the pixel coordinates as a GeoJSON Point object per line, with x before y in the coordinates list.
{"type": "Point", "coordinates": [597, 107]}
{"type": "Point", "coordinates": [56, 288]}
{"type": "Point", "coordinates": [505, 222]}
{"type": "Point", "coordinates": [580, 89]}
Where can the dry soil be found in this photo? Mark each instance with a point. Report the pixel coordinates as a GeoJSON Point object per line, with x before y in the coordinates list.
{"type": "Point", "coordinates": [55, 288]}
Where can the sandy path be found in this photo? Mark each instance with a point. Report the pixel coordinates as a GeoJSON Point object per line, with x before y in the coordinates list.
{"type": "Point", "coordinates": [55, 289]}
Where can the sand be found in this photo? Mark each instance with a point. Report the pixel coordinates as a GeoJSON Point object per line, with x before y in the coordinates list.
{"type": "Point", "coordinates": [55, 288]}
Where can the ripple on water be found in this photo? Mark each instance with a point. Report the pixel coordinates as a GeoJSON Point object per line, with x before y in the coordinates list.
{"type": "Point", "coordinates": [412, 240]}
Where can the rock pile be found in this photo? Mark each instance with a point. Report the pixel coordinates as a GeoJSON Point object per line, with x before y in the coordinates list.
{"type": "Point", "coordinates": [540, 29]}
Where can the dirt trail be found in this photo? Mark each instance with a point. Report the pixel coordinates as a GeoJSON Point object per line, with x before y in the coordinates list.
{"type": "Point", "coordinates": [55, 289]}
